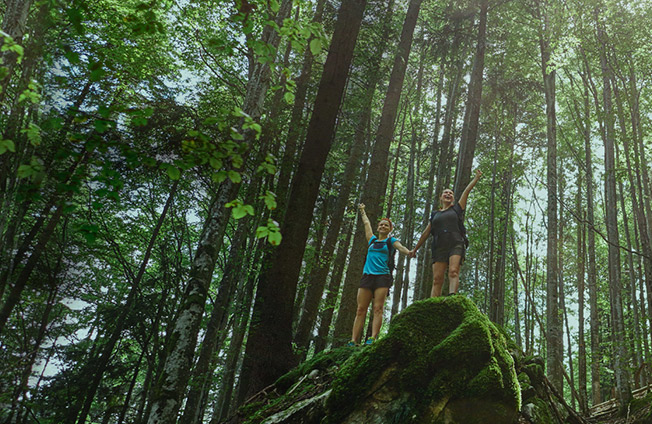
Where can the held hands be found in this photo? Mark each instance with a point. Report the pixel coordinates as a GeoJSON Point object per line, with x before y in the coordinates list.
{"type": "Point", "coordinates": [412, 254]}
{"type": "Point", "coordinates": [478, 174]}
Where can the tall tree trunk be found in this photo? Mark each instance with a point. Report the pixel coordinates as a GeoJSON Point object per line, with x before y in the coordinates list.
{"type": "Point", "coordinates": [269, 354]}
{"type": "Point", "coordinates": [328, 307]}
{"type": "Point", "coordinates": [469, 137]}
{"type": "Point", "coordinates": [173, 383]}
{"type": "Point", "coordinates": [243, 301]}
{"type": "Point", "coordinates": [423, 259]}
{"type": "Point", "coordinates": [416, 126]}
{"type": "Point", "coordinates": [295, 126]}
{"type": "Point", "coordinates": [642, 185]}
{"type": "Point", "coordinates": [444, 152]}
{"type": "Point", "coordinates": [311, 261]}
{"type": "Point", "coordinates": [554, 343]}
{"type": "Point", "coordinates": [203, 371]}
{"type": "Point", "coordinates": [632, 305]}
{"type": "Point", "coordinates": [107, 348]}
{"type": "Point", "coordinates": [623, 389]}
{"type": "Point", "coordinates": [13, 24]}
{"type": "Point", "coordinates": [376, 184]}
{"type": "Point", "coordinates": [581, 287]}
{"type": "Point", "coordinates": [594, 318]}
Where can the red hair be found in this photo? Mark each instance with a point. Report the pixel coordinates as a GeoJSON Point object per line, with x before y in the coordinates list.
{"type": "Point", "coordinates": [391, 225]}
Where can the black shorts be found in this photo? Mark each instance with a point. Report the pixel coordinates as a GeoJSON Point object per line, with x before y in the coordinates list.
{"type": "Point", "coordinates": [373, 282]}
{"type": "Point", "coordinates": [443, 253]}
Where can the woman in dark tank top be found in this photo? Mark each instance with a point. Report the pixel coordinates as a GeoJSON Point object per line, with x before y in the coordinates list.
{"type": "Point", "coordinates": [448, 245]}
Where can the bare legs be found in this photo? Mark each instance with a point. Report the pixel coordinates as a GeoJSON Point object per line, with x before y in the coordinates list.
{"type": "Point", "coordinates": [438, 270]}
{"type": "Point", "coordinates": [364, 299]}
{"type": "Point", "coordinates": [379, 304]}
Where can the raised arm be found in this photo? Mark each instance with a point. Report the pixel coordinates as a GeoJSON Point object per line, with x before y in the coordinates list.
{"type": "Point", "coordinates": [467, 190]}
{"type": "Point", "coordinates": [368, 232]}
{"type": "Point", "coordinates": [422, 239]}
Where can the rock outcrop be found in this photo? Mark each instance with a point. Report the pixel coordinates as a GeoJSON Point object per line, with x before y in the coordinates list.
{"type": "Point", "coordinates": [441, 361]}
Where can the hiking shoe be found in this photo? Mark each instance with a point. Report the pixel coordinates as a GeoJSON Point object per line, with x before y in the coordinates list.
{"type": "Point", "coordinates": [351, 344]}
{"type": "Point", "coordinates": [370, 340]}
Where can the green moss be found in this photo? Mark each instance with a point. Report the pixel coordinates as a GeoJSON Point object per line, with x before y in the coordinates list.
{"type": "Point", "coordinates": [543, 415]}
{"type": "Point", "coordinates": [257, 412]}
{"type": "Point", "coordinates": [322, 361]}
{"type": "Point", "coordinates": [534, 371]}
{"type": "Point", "coordinates": [436, 349]}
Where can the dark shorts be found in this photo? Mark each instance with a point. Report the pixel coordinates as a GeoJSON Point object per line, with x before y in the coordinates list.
{"type": "Point", "coordinates": [443, 253]}
{"type": "Point", "coordinates": [373, 282]}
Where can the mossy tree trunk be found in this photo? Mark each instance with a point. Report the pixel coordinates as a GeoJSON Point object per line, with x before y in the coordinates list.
{"type": "Point", "coordinates": [13, 24]}
{"type": "Point", "coordinates": [203, 371]}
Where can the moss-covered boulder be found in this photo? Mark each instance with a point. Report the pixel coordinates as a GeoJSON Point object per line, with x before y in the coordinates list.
{"type": "Point", "coordinates": [442, 361]}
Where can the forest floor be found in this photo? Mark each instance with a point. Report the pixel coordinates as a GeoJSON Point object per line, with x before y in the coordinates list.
{"type": "Point", "coordinates": [613, 418]}
{"type": "Point", "coordinates": [607, 412]}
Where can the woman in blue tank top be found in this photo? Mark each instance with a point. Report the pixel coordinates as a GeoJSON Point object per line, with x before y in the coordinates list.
{"type": "Point", "coordinates": [448, 245]}
{"type": "Point", "coordinates": [376, 276]}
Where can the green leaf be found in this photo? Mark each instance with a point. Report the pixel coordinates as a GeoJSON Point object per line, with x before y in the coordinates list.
{"type": "Point", "coordinates": [315, 46]}
{"type": "Point", "coordinates": [211, 120]}
{"type": "Point", "coordinates": [104, 111]}
{"type": "Point", "coordinates": [289, 97]}
{"type": "Point", "coordinates": [236, 135]}
{"type": "Point", "coordinates": [7, 145]}
{"type": "Point", "coordinates": [275, 238]}
{"type": "Point", "coordinates": [101, 125]}
{"type": "Point", "coordinates": [73, 57]}
{"type": "Point", "coordinates": [173, 172]}
{"type": "Point", "coordinates": [235, 177]}
{"type": "Point", "coordinates": [274, 6]}
{"type": "Point", "coordinates": [219, 177]}
{"type": "Point", "coordinates": [215, 163]}
{"type": "Point", "coordinates": [33, 134]}
{"type": "Point", "coordinates": [97, 74]}
{"type": "Point", "coordinates": [270, 200]}
{"type": "Point", "coordinates": [262, 231]}
{"type": "Point", "coordinates": [239, 212]}
{"type": "Point", "coordinates": [138, 121]}
{"type": "Point", "coordinates": [25, 171]}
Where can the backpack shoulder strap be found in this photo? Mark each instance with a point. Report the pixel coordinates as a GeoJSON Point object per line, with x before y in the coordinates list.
{"type": "Point", "coordinates": [390, 245]}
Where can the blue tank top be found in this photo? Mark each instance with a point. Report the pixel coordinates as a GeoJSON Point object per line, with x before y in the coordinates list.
{"type": "Point", "coordinates": [377, 255]}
